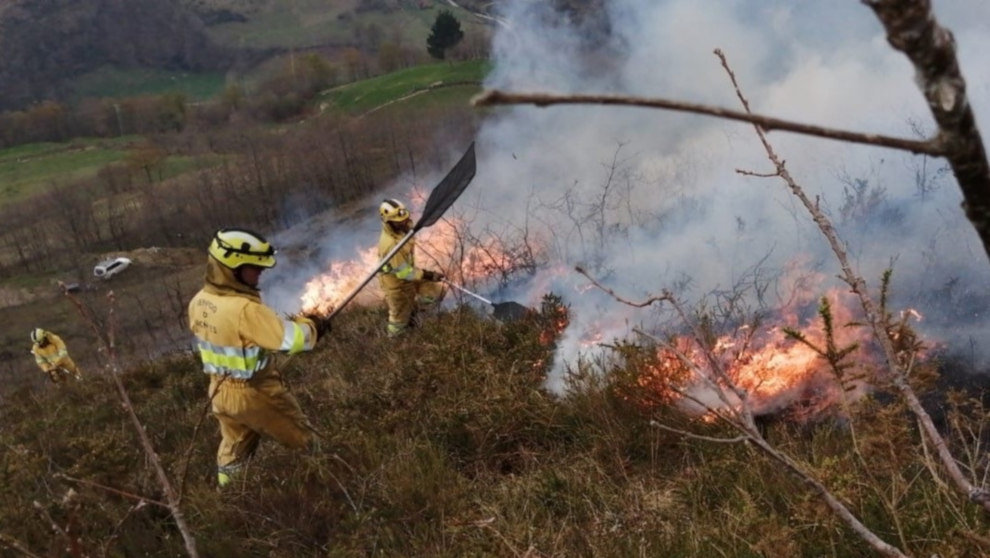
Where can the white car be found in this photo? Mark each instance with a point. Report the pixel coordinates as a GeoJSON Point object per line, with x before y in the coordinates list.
{"type": "Point", "coordinates": [108, 268]}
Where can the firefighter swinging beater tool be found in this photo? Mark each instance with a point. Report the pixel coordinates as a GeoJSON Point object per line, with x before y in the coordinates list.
{"type": "Point", "coordinates": [441, 198]}
{"type": "Point", "coordinates": [502, 310]}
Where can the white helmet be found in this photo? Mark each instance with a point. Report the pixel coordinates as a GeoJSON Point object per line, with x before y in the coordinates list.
{"type": "Point", "coordinates": [393, 211]}
{"type": "Point", "coordinates": [38, 334]}
{"type": "Point", "coordinates": [236, 247]}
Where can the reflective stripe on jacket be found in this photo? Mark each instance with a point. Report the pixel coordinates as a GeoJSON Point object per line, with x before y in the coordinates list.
{"type": "Point", "coordinates": [235, 331]}
{"type": "Point", "coordinates": [47, 357]}
{"type": "Point", "coordinates": [401, 268]}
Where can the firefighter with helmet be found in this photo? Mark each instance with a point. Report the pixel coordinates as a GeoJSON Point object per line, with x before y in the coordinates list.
{"type": "Point", "coordinates": [235, 335]}
{"type": "Point", "coordinates": [405, 285]}
{"type": "Point", "coordinates": [51, 356]}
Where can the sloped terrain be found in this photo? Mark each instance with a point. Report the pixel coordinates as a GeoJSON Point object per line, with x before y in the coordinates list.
{"type": "Point", "coordinates": [45, 44]}
{"type": "Point", "coordinates": [444, 443]}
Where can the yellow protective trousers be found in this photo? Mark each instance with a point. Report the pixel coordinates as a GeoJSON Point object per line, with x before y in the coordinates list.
{"type": "Point", "coordinates": [58, 371]}
{"type": "Point", "coordinates": [404, 300]}
{"type": "Point", "coordinates": [248, 409]}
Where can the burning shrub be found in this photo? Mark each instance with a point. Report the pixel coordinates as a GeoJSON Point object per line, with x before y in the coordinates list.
{"type": "Point", "coordinates": [553, 319]}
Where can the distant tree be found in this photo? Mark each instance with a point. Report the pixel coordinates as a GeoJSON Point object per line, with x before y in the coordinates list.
{"type": "Point", "coordinates": [318, 72]}
{"type": "Point", "coordinates": [444, 35]}
{"type": "Point", "coordinates": [148, 157]}
{"type": "Point", "coordinates": [356, 65]}
{"type": "Point", "coordinates": [232, 97]}
{"type": "Point", "coordinates": [389, 57]}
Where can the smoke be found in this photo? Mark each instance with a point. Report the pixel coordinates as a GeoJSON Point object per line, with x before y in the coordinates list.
{"type": "Point", "coordinates": [647, 200]}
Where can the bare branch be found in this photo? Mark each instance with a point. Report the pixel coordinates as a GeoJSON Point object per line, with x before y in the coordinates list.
{"type": "Point", "coordinates": [112, 490]}
{"type": "Point", "coordinates": [6, 541]}
{"type": "Point", "coordinates": [495, 97]}
{"type": "Point", "coordinates": [694, 436]}
{"type": "Point", "coordinates": [833, 503]}
{"type": "Point", "coordinates": [665, 296]}
{"type": "Point", "coordinates": [873, 316]}
{"type": "Point", "coordinates": [912, 29]}
{"type": "Point", "coordinates": [757, 174]}
{"type": "Point", "coordinates": [113, 366]}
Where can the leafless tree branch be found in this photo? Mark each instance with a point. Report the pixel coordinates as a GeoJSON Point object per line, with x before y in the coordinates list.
{"type": "Point", "coordinates": [172, 497]}
{"type": "Point", "coordinates": [912, 29]}
{"type": "Point", "coordinates": [873, 316]}
{"type": "Point", "coordinates": [113, 490]}
{"type": "Point", "coordinates": [742, 421]}
{"type": "Point", "coordinates": [666, 296]}
{"type": "Point", "coordinates": [6, 541]}
{"type": "Point", "coordinates": [493, 97]}
{"type": "Point", "coordinates": [694, 436]}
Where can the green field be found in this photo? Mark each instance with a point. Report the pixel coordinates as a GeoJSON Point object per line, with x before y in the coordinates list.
{"type": "Point", "coordinates": [371, 93]}
{"type": "Point", "coordinates": [110, 82]}
{"type": "Point", "coordinates": [28, 169]}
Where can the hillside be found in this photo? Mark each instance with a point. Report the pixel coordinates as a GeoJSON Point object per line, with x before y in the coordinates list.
{"type": "Point", "coordinates": [46, 44]}
{"type": "Point", "coordinates": [670, 391]}
{"type": "Point", "coordinates": [67, 50]}
{"type": "Point", "coordinates": [444, 443]}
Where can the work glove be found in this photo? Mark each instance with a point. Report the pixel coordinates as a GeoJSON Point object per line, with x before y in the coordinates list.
{"type": "Point", "coordinates": [430, 275]}
{"type": "Point", "coordinates": [322, 324]}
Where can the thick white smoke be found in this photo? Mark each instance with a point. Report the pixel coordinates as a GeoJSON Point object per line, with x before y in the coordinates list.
{"type": "Point", "coordinates": [676, 214]}
{"type": "Point", "coordinates": [648, 199]}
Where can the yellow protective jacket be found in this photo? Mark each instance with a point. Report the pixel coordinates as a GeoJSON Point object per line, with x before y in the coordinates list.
{"type": "Point", "coordinates": [236, 333]}
{"type": "Point", "coordinates": [51, 355]}
{"type": "Point", "coordinates": [401, 268]}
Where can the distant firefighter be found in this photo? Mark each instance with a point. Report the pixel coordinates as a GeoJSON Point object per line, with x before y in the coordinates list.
{"type": "Point", "coordinates": [52, 357]}
{"type": "Point", "coordinates": [406, 286]}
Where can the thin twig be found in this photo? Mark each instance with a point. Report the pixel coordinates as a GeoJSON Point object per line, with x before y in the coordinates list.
{"type": "Point", "coordinates": [873, 316]}
{"type": "Point", "coordinates": [694, 436]}
{"type": "Point", "coordinates": [6, 541]}
{"type": "Point", "coordinates": [113, 366]}
{"type": "Point", "coordinates": [116, 491]}
{"type": "Point", "coordinates": [666, 296]}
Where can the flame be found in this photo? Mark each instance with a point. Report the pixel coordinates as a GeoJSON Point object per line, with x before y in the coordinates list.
{"type": "Point", "coordinates": [324, 292]}
{"type": "Point", "coordinates": [773, 370]}
{"type": "Point", "coordinates": [444, 246]}
{"type": "Point", "coordinates": [557, 321]}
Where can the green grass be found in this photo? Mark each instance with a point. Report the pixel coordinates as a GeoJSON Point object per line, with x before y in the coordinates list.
{"type": "Point", "coordinates": [371, 93]}
{"type": "Point", "coordinates": [26, 170]}
{"type": "Point", "coordinates": [112, 82]}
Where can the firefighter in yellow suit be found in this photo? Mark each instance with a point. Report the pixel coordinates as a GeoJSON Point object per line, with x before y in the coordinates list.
{"type": "Point", "coordinates": [405, 285]}
{"type": "Point", "coordinates": [51, 355]}
{"type": "Point", "coordinates": [235, 335]}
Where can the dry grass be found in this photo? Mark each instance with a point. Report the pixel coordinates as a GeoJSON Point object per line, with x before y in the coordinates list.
{"type": "Point", "coordinates": [445, 444]}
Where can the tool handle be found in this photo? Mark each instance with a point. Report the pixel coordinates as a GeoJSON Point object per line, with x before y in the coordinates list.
{"type": "Point", "coordinates": [374, 272]}
{"type": "Point", "coordinates": [467, 292]}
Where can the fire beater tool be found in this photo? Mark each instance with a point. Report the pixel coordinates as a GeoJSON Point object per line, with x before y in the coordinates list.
{"type": "Point", "coordinates": [441, 198]}
{"type": "Point", "coordinates": [503, 311]}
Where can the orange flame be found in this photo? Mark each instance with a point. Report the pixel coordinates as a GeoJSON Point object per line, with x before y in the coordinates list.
{"type": "Point", "coordinates": [442, 246]}
{"type": "Point", "coordinates": [324, 292]}
{"type": "Point", "coordinates": [775, 371]}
